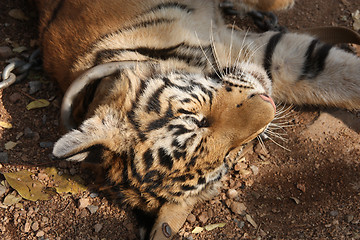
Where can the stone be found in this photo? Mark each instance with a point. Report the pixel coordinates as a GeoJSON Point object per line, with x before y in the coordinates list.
{"type": "Point", "coordinates": [27, 226]}
{"type": "Point", "coordinates": [334, 213]}
{"type": "Point", "coordinates": [98, 227]}
{"type": "Point", "coordinates": [191, 218]}
{"type": "Point", "coordinates": [231, 193]}
{"type": "Point", "coordinates": [93, 194]}
{"type": "Point", "coordinates": [73, 171]}
{"type": "Point", "coordinates": [40, 233]}
{"type": "Point", "coordinates": [5, 52]}
{"type": "Point", "coordinates": [4, 158]}
{"type": "Point", "coordinates": [46, 144]}
{"type": "Point", "coordinates": [238, 208]}
{"type": "Point", "coordinates": [15, 97]}
{"type": "Point", "coordinates": [92, 208]}
{"type": "Point", "coordinates": [203, 217]}
{"type": "Point", "coordinates": [34, 86]}
{"type": "Point", "coordinates": [84, 202]}
{"type": "Point", "coordinates": [35, 226]}
{"type": "Point", "coordinates": [349, 218]}
{"type": "Point", "coordinates": [254, 169]}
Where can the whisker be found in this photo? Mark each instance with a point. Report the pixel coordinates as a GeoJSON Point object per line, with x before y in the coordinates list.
{"type": "Point", "coordinates": [279, 144]}
{"type": "Point", "coordinates": [261, 142]}
{"type": "Point", "coordinates": [210, 63]}
{"type": "Point", "coordinates": [212, 43]}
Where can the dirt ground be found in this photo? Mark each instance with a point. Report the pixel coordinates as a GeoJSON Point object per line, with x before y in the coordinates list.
{"type": "Point", "coordinates": [307, 189]}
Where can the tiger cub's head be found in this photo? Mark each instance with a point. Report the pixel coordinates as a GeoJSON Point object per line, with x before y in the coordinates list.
{"type": "Point", "coordinates": [170, 123]}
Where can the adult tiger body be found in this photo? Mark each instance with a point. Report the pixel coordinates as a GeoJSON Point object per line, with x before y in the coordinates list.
{"type": "Point", "coordinates": [189, 93]}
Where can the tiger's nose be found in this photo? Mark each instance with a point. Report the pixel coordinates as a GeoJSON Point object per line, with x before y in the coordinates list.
{"type": "Point", "coordinates": [268, 99]}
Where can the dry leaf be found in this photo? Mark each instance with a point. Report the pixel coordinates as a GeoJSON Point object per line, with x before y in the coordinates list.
{"type": "Point", "coordinates": [251, 221]}
{"type": "Point", "coordinates": [19, 49]}
{"type": "Point", "coordinates": [10, 145]}
{"type": "Point", "coordinates": [27, 187]}
{"type": "Point", "coordinates": [18, 14]}
{"type": "Point", "coordinates": [197, 230]}
{"type": "Point", "coordinates": [39, 103]}
{"type": "Point", "coordinates": [5, 124]}
{"type": "Point", "coordinates": [65, 183]}
{"type": "Point", "coordinates": [11, 199]}
{"type": "Point", "coordinates": [213, 226]}
{"type": "Point", "coordinates": [296, 200]}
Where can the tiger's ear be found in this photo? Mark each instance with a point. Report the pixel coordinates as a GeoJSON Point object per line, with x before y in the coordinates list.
{"type": "Point", "coordinates": [95, 132]}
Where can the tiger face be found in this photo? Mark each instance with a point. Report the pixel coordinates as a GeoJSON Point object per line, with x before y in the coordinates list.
{"type": "Point", "coordinates": [173, 120]}
{"type": "Point", "coordinates": [172, 131]}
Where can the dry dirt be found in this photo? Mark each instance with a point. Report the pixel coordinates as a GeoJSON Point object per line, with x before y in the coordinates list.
{"type": "Point", "coordinates": [310, 191]}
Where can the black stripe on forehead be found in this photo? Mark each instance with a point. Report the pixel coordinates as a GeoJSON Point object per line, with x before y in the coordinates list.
{"type": "Point", "coordinates": [192, 55]}
{"type": "Point", "coordinates": [153, 103]}
{"type": "Point", "coordinates": [170, 5]}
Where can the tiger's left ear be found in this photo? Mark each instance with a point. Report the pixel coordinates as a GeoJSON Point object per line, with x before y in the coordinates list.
{"type": "Point", "coordinates": [96, 131]}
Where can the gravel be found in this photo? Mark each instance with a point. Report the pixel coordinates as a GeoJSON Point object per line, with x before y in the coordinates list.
{"type": "Point", "coordinates": [4, 158]}
{"type": "Point", "coordinates": [5, 52]}
{"type": "Point", "coordinates": [34, 86]}
{"type": "Point", "coordinates": [334, 213]}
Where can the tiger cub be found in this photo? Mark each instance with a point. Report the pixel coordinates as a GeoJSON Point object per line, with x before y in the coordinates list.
{"type": "Point", "coordinates": [159, 94]}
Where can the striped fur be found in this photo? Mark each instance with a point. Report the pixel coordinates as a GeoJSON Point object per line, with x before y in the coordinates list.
{"type": "Point", "coordinates": [163, 131]}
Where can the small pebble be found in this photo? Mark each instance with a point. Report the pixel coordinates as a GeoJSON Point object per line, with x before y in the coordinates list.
{"type": "Point", "coordinates": [46, 144]}
{"type": "Point", "coordinates": [238, 208]}
{"type": "Point", "coordinates": [240, 224]}
{"type": "Point", "coordinates": [231, 193]}
{"type": "Point", "coordinates": [349, 218]}
{"type": "Point", "coordinates": [28, 133]}
{"type": "Point", "coordinates": [203, 217]}
{"type": "Point", "coordinates": [5, 52]}
{"type": "Point", "coordinates": [98, 227]}
{"type": "Point", "coordinates": [35, 226]}
{"type": "Point", "coordinates": [94, 195]}
{"type": "Point", "coordinates": [73, 171]}
{"type": "Point", "coordinates": [254, 169]}
{"type": "Point", "coordinates": [4, 158]}
{"type": "Point", "coordinates": [92, 208]}
{"type": "Point", "coordinates": [84, 202]}
{"type": "Point", "coordinates": [34, 86]}
{"type": "Point", "coordinates": [191, 218]}
{"type": "Point", "coordinates": [334, 213]}
{"type": "Point", "coordinates": [40, 233]}
{"type": "Point", "coordinates": [15, 97]}
{"type": "Point", "coordinates": [27, 226]}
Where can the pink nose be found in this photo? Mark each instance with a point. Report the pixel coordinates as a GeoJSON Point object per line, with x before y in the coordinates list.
{"type": "Point", "coordinates": [268, 99]}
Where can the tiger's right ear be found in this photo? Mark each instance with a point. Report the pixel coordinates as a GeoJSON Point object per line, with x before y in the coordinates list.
{"type": "Point", "coordinates": [106, 131]}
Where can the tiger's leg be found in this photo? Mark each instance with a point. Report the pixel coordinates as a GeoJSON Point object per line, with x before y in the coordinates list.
{"type": "Point", "coordinates": [263, 5]}
{"type": "Point", "coordinates": [306, 71]}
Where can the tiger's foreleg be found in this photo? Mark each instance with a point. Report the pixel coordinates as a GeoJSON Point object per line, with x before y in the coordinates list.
{"type": "Point", "coordinates": [306, 71]}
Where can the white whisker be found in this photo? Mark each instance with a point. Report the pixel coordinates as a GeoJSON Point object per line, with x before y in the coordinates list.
{"type": "Point", "coordinates": [210, 63]}
{"type": "Point", "coordinates": [279, 144]}
{"type": "Point", "coordinates": [212, 43]}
